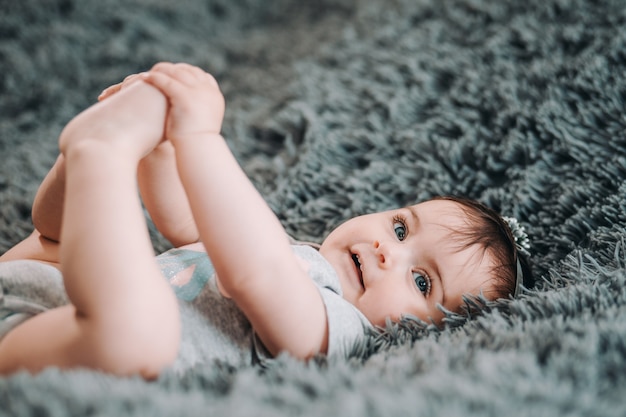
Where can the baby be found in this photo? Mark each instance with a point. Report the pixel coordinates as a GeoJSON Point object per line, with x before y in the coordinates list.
{"type": "Point", "coordinates": [257, 293]}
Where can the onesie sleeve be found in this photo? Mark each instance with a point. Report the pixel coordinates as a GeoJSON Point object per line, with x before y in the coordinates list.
{"type": "Point", "coordinates": [347, 326]}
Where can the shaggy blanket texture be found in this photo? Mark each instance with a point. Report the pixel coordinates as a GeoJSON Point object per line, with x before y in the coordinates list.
{"type": "Point", "coordinates": [341, 107]}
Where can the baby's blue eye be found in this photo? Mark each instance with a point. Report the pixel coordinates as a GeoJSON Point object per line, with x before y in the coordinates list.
{"type": "Point", "coordinates": [400, 229]}
{"type": "Point", "coordinates": [422, 282]}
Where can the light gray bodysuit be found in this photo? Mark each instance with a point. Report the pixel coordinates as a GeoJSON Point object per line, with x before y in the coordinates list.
{"type": "Point", "coordinates": [213, 327]}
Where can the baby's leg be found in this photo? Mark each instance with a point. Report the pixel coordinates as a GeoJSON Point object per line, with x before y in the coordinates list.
{"type": "Point", "coordinates": [164, 196]}
{"type": "Point", "coordinates": [124, 317]}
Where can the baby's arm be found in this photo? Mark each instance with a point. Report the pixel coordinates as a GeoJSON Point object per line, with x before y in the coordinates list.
{"type": "Point", "coordinates": [160, 187]}
{"type": "Point", "coordinates": [243, 237]}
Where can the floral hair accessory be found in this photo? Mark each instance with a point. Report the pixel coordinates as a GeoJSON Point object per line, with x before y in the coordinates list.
{"type": "Point", "coordinates": [519, 234]}
{"type": "Point", "coordinates": [522, 244]}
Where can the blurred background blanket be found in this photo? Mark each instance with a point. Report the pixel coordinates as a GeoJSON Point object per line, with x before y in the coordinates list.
{"type": "Point", "coordinates": [341, 107]}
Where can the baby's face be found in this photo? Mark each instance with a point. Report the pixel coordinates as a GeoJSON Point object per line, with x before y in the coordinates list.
{"type": "Point", "coordinates": [407, 261]}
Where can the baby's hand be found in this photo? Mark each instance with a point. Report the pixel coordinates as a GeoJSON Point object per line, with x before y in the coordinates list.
{"type": "Point", "coordinates": [196, 103]}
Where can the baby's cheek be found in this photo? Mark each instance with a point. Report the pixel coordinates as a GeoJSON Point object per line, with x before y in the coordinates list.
{"type": "Point", "coordinates": [392, 302]}
{"type": "Point", "coordinates": [380, 306]}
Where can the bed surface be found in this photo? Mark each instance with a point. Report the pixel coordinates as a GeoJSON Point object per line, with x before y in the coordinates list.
{"type": "Point", "coordinates": [341, 107]}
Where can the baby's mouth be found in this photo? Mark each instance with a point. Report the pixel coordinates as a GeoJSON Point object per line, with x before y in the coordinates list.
{"type": "Point", "coordinates": [357, 263]}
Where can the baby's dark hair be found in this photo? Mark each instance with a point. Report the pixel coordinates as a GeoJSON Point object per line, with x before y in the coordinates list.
{"type": "Point", "coordinates": [487, 229]}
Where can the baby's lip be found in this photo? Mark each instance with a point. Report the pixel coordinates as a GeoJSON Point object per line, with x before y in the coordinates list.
{"type": "Point", "coordinates": [357, 268]}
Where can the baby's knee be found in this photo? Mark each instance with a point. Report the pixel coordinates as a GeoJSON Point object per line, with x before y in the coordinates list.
{"type": "Point", "coordinates": [138, 334]}
{"type": "Point", "coordinates": [141, 345]}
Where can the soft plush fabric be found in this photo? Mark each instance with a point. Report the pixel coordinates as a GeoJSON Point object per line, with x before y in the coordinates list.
{"type": "Point", "coordinates": [341, 107]}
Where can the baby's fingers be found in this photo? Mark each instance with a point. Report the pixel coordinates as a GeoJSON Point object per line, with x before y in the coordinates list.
{"type": "Point", "coordinates": [169, 86]}
{"type": "Point", "coordinates": [109, 91]}
{"type": "Point", "coordinates": [196, 103]}
{"type": "Point", "coordinates": [187, 74]}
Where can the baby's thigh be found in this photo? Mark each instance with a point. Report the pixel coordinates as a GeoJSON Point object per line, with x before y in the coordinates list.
{"type": "Point", "coordinates": [34, 247]}
{"type": "Point", "coordinates": [62, 338]}
{"type": "Point", "coordinates": [38, 341]}
{"type": "Point", "coordinates": [27, 288]}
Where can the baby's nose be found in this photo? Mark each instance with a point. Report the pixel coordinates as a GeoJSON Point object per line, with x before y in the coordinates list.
{"type": "Point", "coordinates": [383, 253]}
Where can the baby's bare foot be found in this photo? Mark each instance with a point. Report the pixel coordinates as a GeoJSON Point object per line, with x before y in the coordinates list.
{"type": "Point", "coordinates": [132, 119]}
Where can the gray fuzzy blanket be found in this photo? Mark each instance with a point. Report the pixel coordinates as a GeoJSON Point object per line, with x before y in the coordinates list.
{"type": "Point", "coordinates": [341, 107]}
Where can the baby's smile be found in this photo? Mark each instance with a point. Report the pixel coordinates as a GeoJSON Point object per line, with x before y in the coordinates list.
{"type": "Point", "coordinates": [359, 271]}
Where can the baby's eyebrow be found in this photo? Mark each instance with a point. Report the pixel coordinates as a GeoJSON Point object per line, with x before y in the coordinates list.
{"type": "Point", "coordinates": [414, 216]}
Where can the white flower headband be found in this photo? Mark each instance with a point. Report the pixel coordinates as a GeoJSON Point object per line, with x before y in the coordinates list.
{"type": "Point", "coordinates": [522, 243]}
